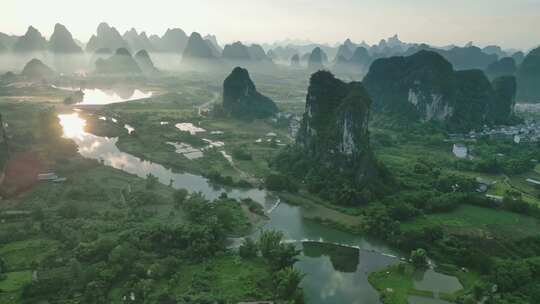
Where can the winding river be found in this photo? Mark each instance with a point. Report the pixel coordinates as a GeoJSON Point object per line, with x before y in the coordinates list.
{"type": "Point", "coordinates": [336, 264]}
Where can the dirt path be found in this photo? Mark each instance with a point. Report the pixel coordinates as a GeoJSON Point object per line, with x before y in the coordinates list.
{"type": "Point", "coordinates": [206, 104]}
{"type": "Point", "coordinates": [243, 174]}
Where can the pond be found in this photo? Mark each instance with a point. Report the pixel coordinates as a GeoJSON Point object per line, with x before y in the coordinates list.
{"type": "Point", "coordinates": [435, 282]}
{"type": "Point", "coordinates": [336, 263]}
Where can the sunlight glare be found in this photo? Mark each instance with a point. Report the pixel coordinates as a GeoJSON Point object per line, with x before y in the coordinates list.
{"type": "Point", "coordinates": [72, 124]}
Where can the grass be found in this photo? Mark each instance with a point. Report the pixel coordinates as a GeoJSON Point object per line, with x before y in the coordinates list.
{"type": "Point", "coordinates": [316, 209]}
{"type": "Point", "coordinates": [478, 221]}
{"type": "Point", "coordinates": [395, 284]}
{"type": "Point", "coordinates": [151, 138]}
{"type": "Point", "coordinates": [229, 277]}
{"type": "Point", "coordinates": [11, 286]}
{"type": "Point", "coordinates": [15, 281]}
{"type": "Point", "coordinates": [22, 255]}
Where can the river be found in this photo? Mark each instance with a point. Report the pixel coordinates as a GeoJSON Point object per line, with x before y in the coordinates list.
{"type": "Point", "coordinates": [336, 263]}
{"type": "Point", "coordinates": [100, 96]}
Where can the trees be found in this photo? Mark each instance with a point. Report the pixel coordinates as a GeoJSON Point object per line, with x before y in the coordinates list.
{"type": "Point", "coordinates": [124, 255]}
{"type": "Point", "coordinates": [3, 269]}
{"type": "Point", "coordinates": [242, 153]}
{"type": "Point", "coordinates": [248, 249]}
{"type": "Point", "coordinates": [179, 196]}
{"type": "Point", "coordinates": [280, 255]}
{"type": "Point", "coordinates": [151, 181]}
{"type": "Point", "coordinates": [280, 182]}
{"type": "Point", "coordinates": [288, 282]}
{"type": "Point", "coordinates": [511, 275]}
{"type": "Point", "coordinates": [268, 241]}
{"type": "Point", "coordinates": [141, 198]}
{"type": "Point", "coordinates": [419, 258]}
{"type": "Point", "coordinates": [196, 208]}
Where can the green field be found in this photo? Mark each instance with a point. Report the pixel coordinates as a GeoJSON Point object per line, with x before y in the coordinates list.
{"type": "Point", "coordinates": [481, 222]}
{"type": "Point", "coordinates": [15, 281]}
{"type": "Point", "coordinates": [228, 276]}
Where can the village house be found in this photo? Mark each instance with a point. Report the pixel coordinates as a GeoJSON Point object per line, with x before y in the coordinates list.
{"type": "Point", "coordinates": [460, 151]}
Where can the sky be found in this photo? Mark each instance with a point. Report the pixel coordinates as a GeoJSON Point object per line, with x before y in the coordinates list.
{"type": "Point", "coordinates": [509, 23]}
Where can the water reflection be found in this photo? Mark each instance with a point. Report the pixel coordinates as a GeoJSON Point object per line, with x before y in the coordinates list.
{"type": "Point", "coordinates": [95, 96]}
{"type": "Point", "coordinates": [425, 300]}
{"type": "Point", "coordinates": [101, 97]}
{"type": "Point", "coordinates": [73, 125]}
{"type": "Point", "coordinates": [104, 149]}
{"type": "Point", "coordinates": [343, 259]}
{"type": "Point", "coordinates": [331, 278]}
{"type": "Point", "coordinates": [334, 274]}
{"type": "Point", "coordinates": [436, 282]}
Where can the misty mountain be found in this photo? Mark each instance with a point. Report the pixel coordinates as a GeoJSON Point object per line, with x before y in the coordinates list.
{"type": "Point", "coordinates": [145, 62]}
{"type": "Point", "coordinates": [469, 58]}
{"type": "Point", "coordinates": [62, 42]}
{"type": "Point", "coordinates": [518, 57]}
{"type": "Point", "coordinates": [358, 63]}
{"type": "Point", "coordinates": [528, 77]}
{"type": "Point", "coordinates": [32, 41]}
{"type": "Point", "coordinates": [282, 53]}
{"type": "Point", "coordinates": [295, 60]}
{"type": "Point", "coordinates": [216, 51]}
{"type": "Point", "coordinates": [8, 40]}
{"type": "Point", "coordinates": [361, 57]}
{"type": "Point", "coordinates": [241, 98]}
{"type": "Point", "coordinates": [236, 51]}
{"type": "Point", "coordinates": [120, 63]}
{"type": "Point", "coordinates": [495, 50]}
{"type": "Point", "coordinates": [173, 41]}
{"type": "Point", "coordinates": [239, 52]}
{"type": "Point", "coordinates": [316, 59]}
{"type": "Point", "coordinates": [256, 52]}
{"type": "Point", "coordinates": [502, 108]}
{"type": "Point", "coordinates": [214, 41]}
{"type": "Point", "coordinates": [347, 48]}
{"type": "Point", "coordinates": [198, 48]}
{"type": "Point", "coordinates": [137, 41]}
{"type": "Point", "coordinates": [37, 70]}
{"type": "Point", "coordinates": [391, 46]}
{"type": "Point", "coordinates": [461, 58]}
{"type": "Point", "coordinates": [504, 67]}
{"type": "Point", "coordinates": [106, 37]}
{"type": "Point", "coordinates": [425, 87]}
{"type": "Point", "coordinates": [344, 52]}
{"type": "Point", "coordinates": [103, 51]}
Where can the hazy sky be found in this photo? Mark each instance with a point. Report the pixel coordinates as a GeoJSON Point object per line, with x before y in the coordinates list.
{"type": "Point", "coordinates": [510, 23]}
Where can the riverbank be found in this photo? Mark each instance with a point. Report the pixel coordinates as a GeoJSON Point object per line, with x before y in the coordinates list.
{"type": "Point", "coordinates": [87, 217]}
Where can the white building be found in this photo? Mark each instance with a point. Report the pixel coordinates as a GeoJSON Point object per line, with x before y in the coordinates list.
{"type": "Point", "coordinates": [460, 151]}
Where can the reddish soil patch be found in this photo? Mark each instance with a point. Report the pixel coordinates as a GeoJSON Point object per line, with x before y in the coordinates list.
{"type": "Point", "coordinates": [21, 173]}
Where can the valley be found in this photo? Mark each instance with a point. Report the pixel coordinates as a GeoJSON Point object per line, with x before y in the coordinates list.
{"type": "Point", "coordinates": [171, 169]}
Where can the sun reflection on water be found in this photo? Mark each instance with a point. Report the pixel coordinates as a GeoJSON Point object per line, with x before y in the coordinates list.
{"type": "Point", "coordinates": [73, 125]}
